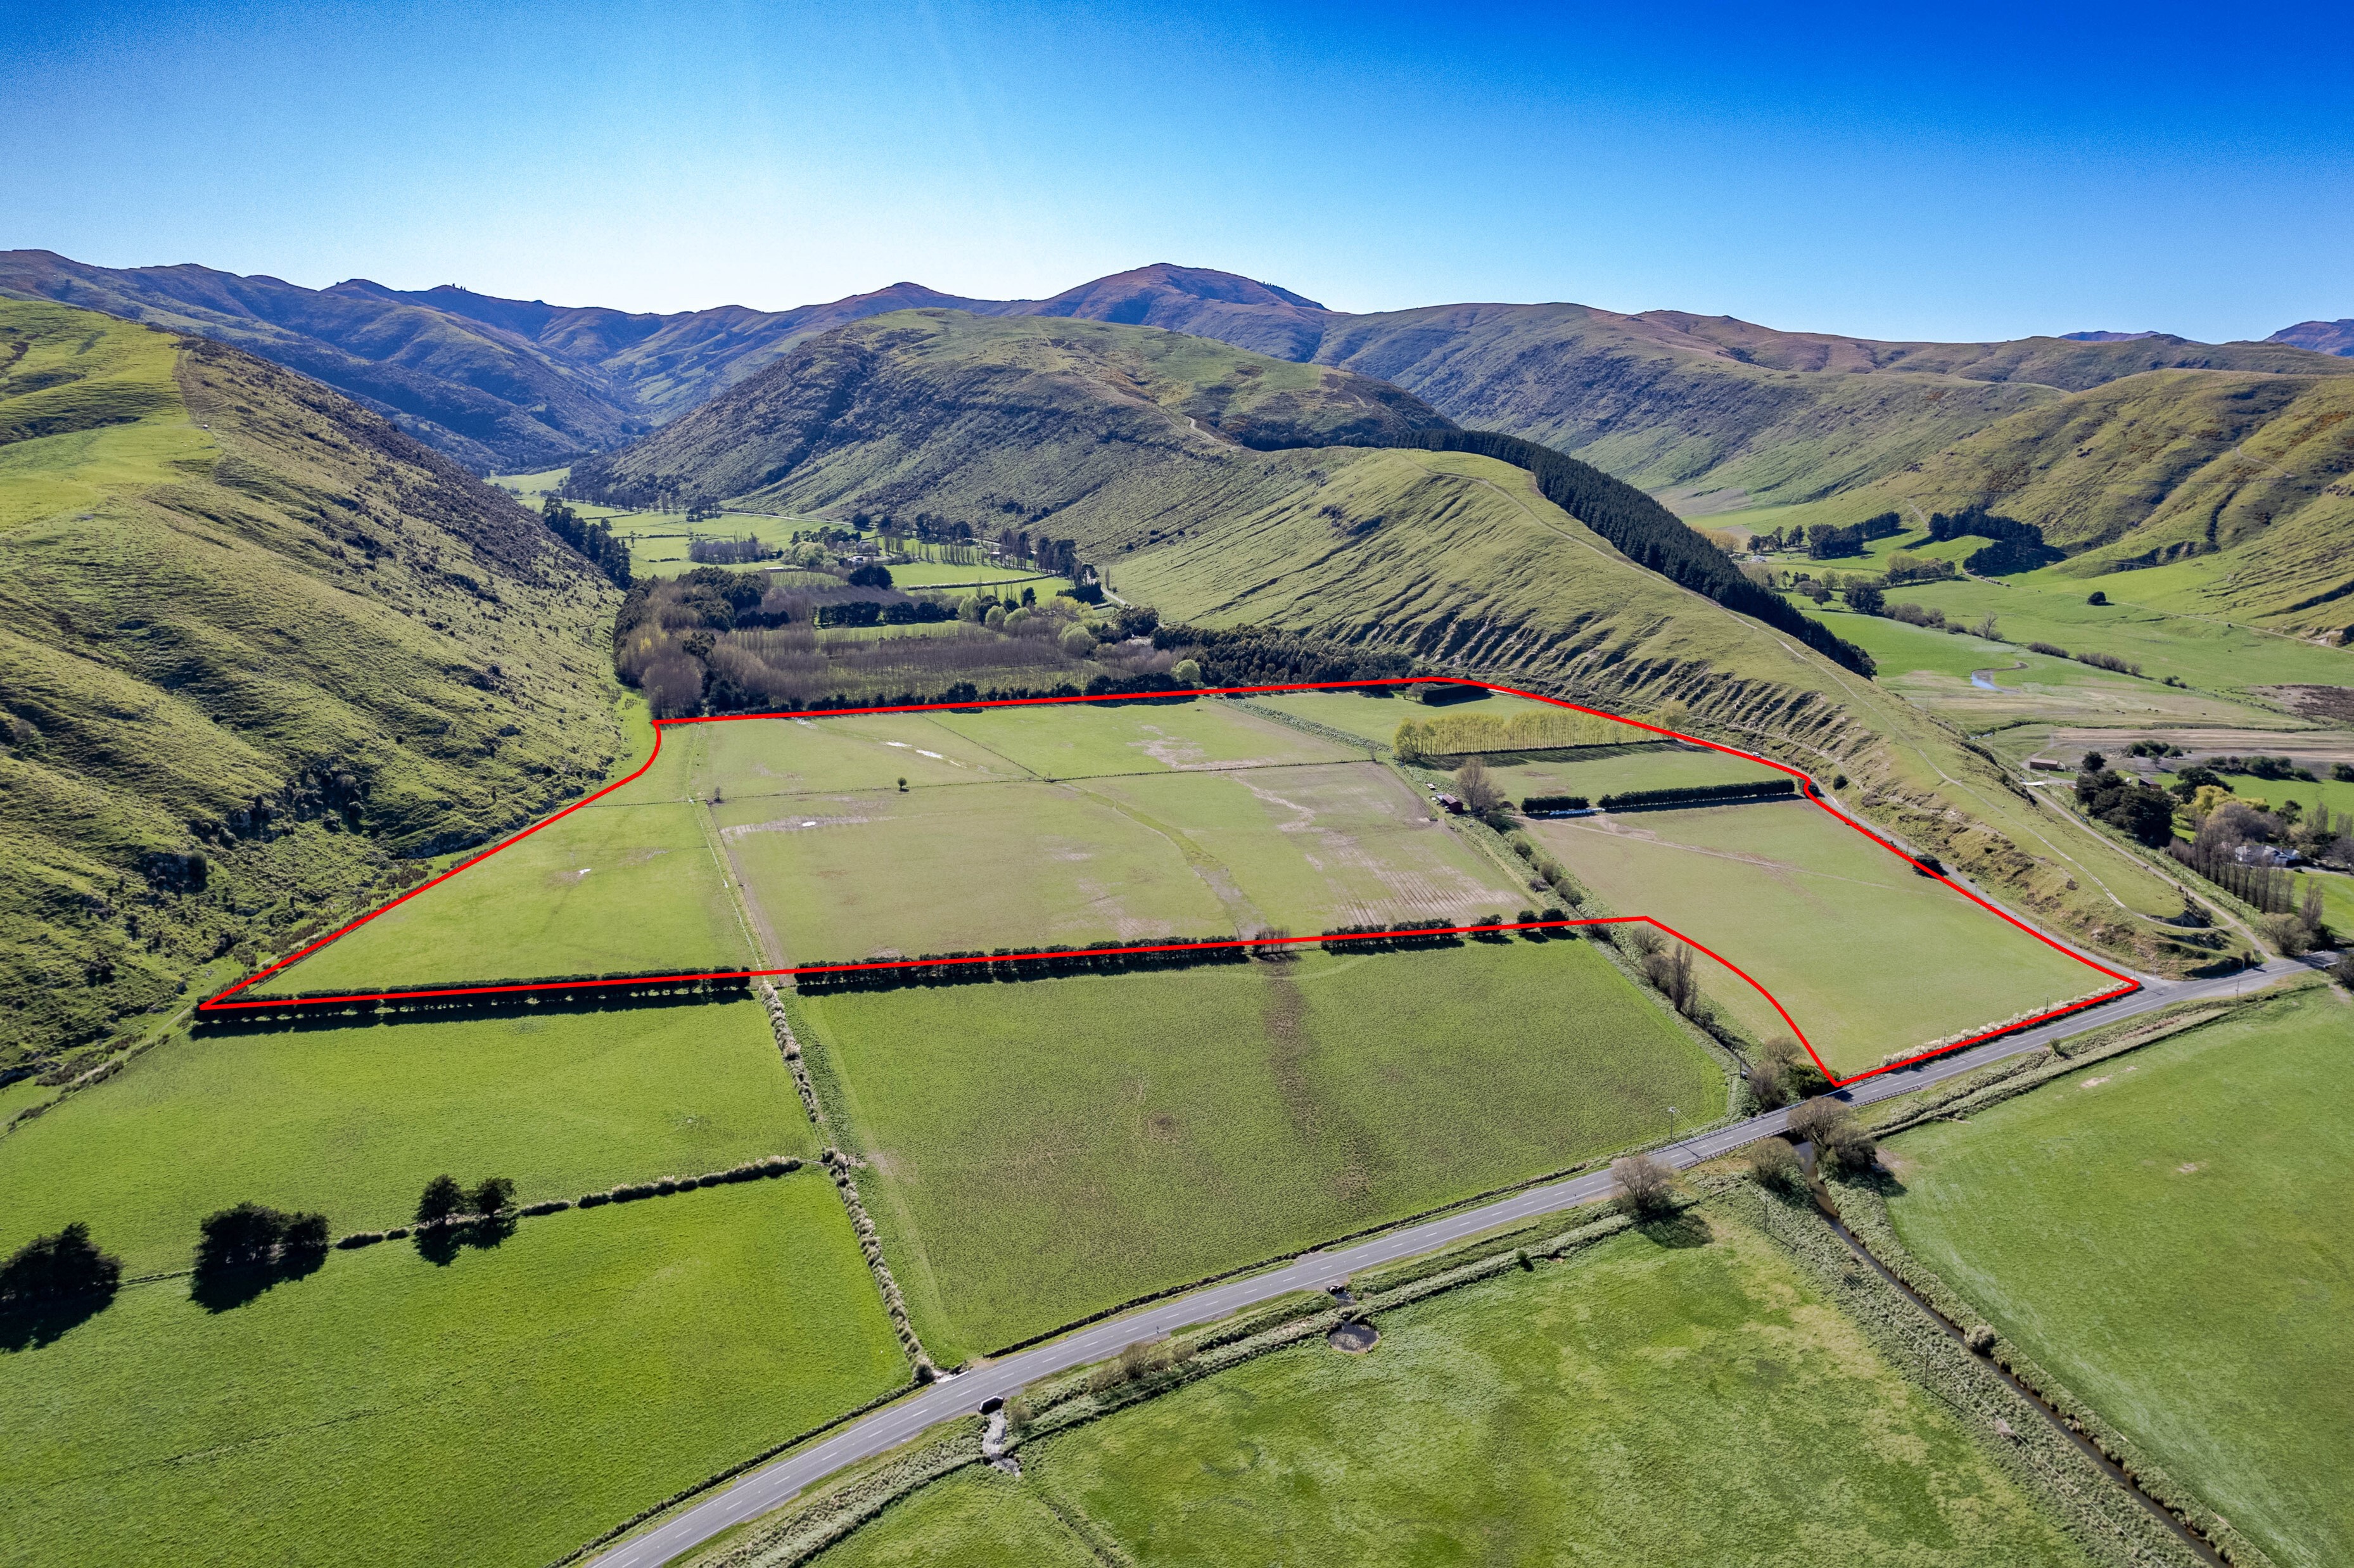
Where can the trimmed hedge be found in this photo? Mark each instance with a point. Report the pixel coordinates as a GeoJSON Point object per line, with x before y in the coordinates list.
{"type": "Point", "coordinates": [662, 1187]}
{"type": "Point", "coordinates": [1015, 964]}
{"type": "Point", "coordinates": [1698, 795]}
{"type": "Point", "coordinates": [1543, 805]}
{"type": "Point", "coordinates": [1382, 939]}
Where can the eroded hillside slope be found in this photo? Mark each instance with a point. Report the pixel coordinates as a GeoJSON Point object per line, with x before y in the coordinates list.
{"type": "Point", "coordinates": [253, 643]}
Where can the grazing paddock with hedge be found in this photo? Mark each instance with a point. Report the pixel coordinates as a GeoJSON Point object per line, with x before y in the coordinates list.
{"type": "Point", "coordinates": [498, 1408]}
{"type": "Point", "coordinates": [1041, 1150]}
{"type": "Point", "coordinates": [352, 1122]}
{"type": "Point", "coordinates": [1870, 957]}
{"type": "Point", "coordinates": [2166, 1233]}
{"type": "Point", "coordinates": [1663, 765]}
{"type": "Point", "coordinates": [1645, 1402]}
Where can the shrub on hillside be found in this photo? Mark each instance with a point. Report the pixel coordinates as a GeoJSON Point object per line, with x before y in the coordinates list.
{"type": "Point", "coordinates": [1773, 1163]}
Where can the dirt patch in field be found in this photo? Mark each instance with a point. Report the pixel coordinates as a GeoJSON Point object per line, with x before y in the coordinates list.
{"type": "Point", "coordinates": [792, 825]}
{"type": "Point", "coordinates": [1356, 1337]}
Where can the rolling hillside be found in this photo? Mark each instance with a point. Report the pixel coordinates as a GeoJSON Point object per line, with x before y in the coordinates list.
{"type": "Point", "coordinates": [1085, 431]}
{"type": "Point", "coordinates": [2247, 482]}
{"type": "Point", "coordinates": [257, 642]}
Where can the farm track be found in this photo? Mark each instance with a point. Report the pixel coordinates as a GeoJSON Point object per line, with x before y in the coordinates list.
{"type": "Point", "coordinates": [765, 1490]}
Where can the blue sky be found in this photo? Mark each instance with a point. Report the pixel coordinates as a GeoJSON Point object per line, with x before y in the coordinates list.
{"type": "Point", "coordinates": [1981, 171]}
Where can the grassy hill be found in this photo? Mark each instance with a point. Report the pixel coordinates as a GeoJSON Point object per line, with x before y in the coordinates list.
{"type": "Point", "coordinates": [254, 643]}
{"type": "Point", "coordinates": [1673, 402]}
{"type": "Point", "coordinates": [991, 420]}
{"type": "Point", "coordinates": [1457, 558]}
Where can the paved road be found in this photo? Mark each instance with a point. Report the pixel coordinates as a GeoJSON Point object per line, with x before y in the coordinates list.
{"type": "Point", "coordinates": [763, 1489]}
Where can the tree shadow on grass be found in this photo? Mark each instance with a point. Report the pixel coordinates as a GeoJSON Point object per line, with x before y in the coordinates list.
{"type": "Point", "coordinates": [440, 1244]}
{"type": "Point", "coordinates": [222, 1290]}
{"type": "Point", "coordinates": [32, 1328]}
{"type": "Point", "coordinates": [1684, 1230]}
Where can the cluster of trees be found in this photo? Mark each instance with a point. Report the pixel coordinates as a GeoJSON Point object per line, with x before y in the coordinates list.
{"type": "Point", "coordinates": [444, 1200]}
{"type": "Point", "coordinates": [63, 1267]}
{"type": "Point", "coordinates": [1461, 734]}
{"type": "Point", "coordinates": [2141, 811]}
{"type": "Point", "coordinates": [244, 1250]}
{"type": "Point", "coordinates": [1262, 656]}
{"type": "Point", "coordinates": [1826, 541]}
{"type": "Point", "coordinates": [1008, 545]}
{"type": "Point", "coordinates": [594, 542]}
{"type": "Point", "coordinates": [2018, 546]}
{"type": "Point", "coordinates": [730, 552]}
{"type": "Point", "coordinates": [1829, 541]}
{"type": "Point", "coordinates": [1840, 1142]}
{"type": "Point", "coordinates": [1780, 1072]}
{"type": "Point", "coordinates": [1904, 568]}
{"type": "Point", "coordinates": [1648, 532]}
{"type": "Point", "coordinates": [1481, 795]}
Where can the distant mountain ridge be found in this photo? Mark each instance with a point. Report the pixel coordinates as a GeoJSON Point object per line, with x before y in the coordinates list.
{"type": "Point", "coordinates": [1666, 399]}
{"type": "Point", "coordinates": [2322, 337]}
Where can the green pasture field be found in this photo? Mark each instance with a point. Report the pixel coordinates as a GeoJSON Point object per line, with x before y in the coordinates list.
{"type": "Point", "coordinates": [530, 487]}
{"type": "Point", "coordinates": [1597, 772]}
{"type": "Point", "coordinates": [740, 759]}
{"type": "Point", "coordinates": [607, 889]}
{"type": "Point", "coordinates": [1643, 1403]}
{"type": "Point", "coordinates": [1085, 740]}
{"type": "Point", "coordinates": [2168, 1233]}
{"type": "Point", "coordinates": [1377, 718]}
{"type": "Point", "coordinates": [921, 574]}
{"type": "Point", "coordinates": [498, 1410]}
{"type": "Point", "coordinates": [1869, 957]}
{"type": "Point", "coordinates": [1306, 848]}
{"type": "Point", "coordinates": [352, 1122]}
{"type": "Point", "coordinates": [1935, 669]}
{"type": "Point", "coordinates": [22, 1095]}
{"type": "Point", "coordinates": [2336, 901]}
{"type": "Point", "coordinates": [1040, 1150]}
{"type": "Point", "coordinates": [876, 874]}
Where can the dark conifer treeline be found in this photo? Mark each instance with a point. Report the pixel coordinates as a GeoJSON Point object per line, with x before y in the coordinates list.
{"type": "Point", "coordinates": [593, 541]}
{"type": "Point", "coordinates": [2018, 546]}
{"type": "Point", "coordinates": [1262, 656]}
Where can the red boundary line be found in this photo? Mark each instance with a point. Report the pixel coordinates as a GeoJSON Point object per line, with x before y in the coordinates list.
{"type": "Point", "coordinates": [221, 1002]}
